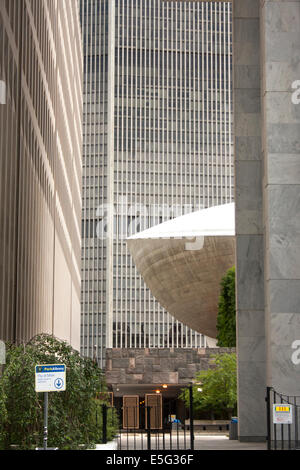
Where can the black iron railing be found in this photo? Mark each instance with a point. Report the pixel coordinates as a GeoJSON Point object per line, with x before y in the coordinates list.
{"type": "Point", "coordinates": [150, 427]}
{"type": "Point", "coordinates": [283, 413]}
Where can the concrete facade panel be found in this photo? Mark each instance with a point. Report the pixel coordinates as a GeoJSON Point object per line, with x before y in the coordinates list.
{"type": "Point", "coordinates": [281, 23]}
{"type": "Point", "coordinates": [40, 177]}
{"type": "Point", "coordinates": [249, 222]}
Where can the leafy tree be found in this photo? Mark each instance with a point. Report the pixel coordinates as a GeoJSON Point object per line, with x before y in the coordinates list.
{"type": "Point", "coordinates": [226, 320]}
{"type": "Point", "coordinates": [74, 415]}
{"type": "Point", "coordinates": [3, 412]}
{"type": "Point", "coordinates": [218, 385]}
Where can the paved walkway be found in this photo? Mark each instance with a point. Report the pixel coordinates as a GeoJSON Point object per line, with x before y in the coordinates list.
{"type": "Point", "coordinates": [223, 443]}
{"type": "Point", "coordinates": [202, 442]}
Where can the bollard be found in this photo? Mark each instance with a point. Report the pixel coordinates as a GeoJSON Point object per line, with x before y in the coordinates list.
{"type": "Point", "coordinates": [191, 417]}
{"type": "Point", "coordinates": [104, 424]}
{"type": "Point", "coordinates": [148, 427]}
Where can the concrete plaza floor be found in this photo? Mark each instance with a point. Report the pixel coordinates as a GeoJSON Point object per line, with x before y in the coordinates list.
{"type": "Point", "coordinates": [221, 442]}
{"type": "Point", "coordinates": [202, 441]}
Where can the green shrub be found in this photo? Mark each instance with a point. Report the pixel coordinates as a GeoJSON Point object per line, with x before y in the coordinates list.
{"type": "Point", "coordinates": [226, 320]}
{"type": "Point", "coordinates": [72, 423]}
{"type": "Point", "coordinates": [112, 421]}
{"type": "Point", "coordinates": [219, 387]}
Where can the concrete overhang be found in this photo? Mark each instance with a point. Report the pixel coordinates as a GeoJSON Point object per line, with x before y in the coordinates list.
{"type": "Point", "coordinates": [172, 390]}
{"type": "Point", "coordinates": [183, 260]}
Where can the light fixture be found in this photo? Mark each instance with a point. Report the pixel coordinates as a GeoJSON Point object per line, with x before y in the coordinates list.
{"type": "Point", "coordinates": [157, 391]}
{"type": "Point", "coordinates": [165, 386]}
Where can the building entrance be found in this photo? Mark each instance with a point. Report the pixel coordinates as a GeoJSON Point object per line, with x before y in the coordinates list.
{"type": "Point", "coordinates": [142, 414]}
{"type": "Point", "coordinates": [153, 422]}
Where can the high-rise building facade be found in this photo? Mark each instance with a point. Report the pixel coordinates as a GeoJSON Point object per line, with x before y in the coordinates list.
{"type": "Point", "coordinates": [157, 144]}
{"type": "Point", "coordinates": [41, 169]}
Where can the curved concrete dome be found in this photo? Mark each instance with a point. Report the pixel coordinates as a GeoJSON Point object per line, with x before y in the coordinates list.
{"type": "Point", "coordinates": [183, 261]}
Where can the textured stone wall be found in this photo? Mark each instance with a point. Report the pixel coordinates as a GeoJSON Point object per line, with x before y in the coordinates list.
{"type": "Point", "coordinates": [280, 45]}
{"type": "Point", "coordinates": [267, 154]}
{"type": "Point", "coordinates": [156, 366]}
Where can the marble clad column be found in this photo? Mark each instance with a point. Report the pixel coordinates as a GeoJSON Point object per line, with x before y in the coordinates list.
{"type": "Point", "coordinates": [249, 223]}
{"type": "Point", "coordinates": [280, 43]}
{"type": "Point", "coordinates": [267, 161]}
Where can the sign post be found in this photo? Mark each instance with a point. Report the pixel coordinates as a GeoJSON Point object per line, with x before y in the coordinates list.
{"type": "Point", "coordinates": [49, 378]}
{"type": "Point", "coordinates": [191, 417]}
{"type": "Point", "coordinates": [45, 420]}
{"type": "Point", "coordinates": [2, 356]}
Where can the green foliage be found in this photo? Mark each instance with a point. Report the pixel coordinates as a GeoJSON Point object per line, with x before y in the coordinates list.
{"type": "Point", "coordinates": [111, 420]}
{"type": "Point", "coordinates": [226, 321]}
{"type": "Point", "coordinates": [3, 414]}
{"type": "Point", "coordinates": [72, 423]}
{"type": "Point", "coordinates": [219, 387]}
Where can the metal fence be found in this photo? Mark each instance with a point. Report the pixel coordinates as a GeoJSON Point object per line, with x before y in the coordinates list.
{"type": "Point", "coordinates": [149, 428]}
{"type": "Point", "coordinates": [283, 420]}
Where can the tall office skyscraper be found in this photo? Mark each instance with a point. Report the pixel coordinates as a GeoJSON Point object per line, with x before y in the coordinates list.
{"type": "Point", "coordinates": [157, 144]}
{"type": "Point", "coordinates": [40, 169]}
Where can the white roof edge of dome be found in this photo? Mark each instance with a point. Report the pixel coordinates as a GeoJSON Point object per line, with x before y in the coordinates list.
{"type": "Point", "coordinates": [214, 221]}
